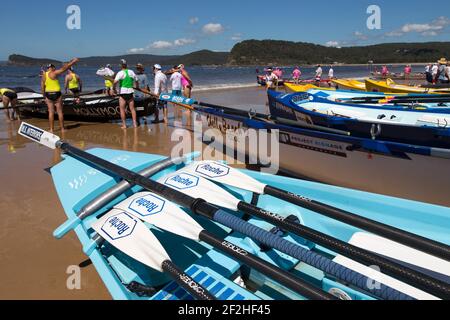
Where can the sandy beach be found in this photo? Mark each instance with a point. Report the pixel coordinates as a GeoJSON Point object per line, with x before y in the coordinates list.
{"type": "Point", "coordinates": [31, 258]}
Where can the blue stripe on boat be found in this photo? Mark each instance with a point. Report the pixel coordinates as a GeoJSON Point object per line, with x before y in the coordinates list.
{"type": "Point", "coordinates": [226, 294]}
{"type": "Point", "coordinates": [209, 281]}
{"type": "Point", "coordinates": [239, 297]}
{"type": "Point", "coordinates": [200, 276]}
{"type": "Point", "coordinates": [219, 286]}
{"type": "Point", "coordinates": [191, 270]}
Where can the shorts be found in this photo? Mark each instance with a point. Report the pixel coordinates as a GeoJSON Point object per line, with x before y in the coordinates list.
{"type": "Point", "coordinates": [11, 95]}
{"type": "Point", "coordinates": [177, 93]}
{"type": "Point", "coordinates": [75, 91]}
{"type": "Point", "coordinates": [162, 104]}
{"type": "Point", "coordinates": [53, 96]}
{"type": "Point", "coordinates": [127, 96]}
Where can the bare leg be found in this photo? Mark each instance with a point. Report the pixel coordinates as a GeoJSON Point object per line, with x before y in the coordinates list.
{"type": "Point", "coordinates": [5, 101]}
{"type": "Point", "coordinates": [133, 112]}
{"type": "Point", "coordinates": [59, 110]}
{"type": "Point", "coordinates": [166, 114]}
{"type": "Point", "coordinates": [122, 106]}
{"type": "Point", "coordinates": [14, 113]}
{"type": "Point", "coordinates": [51, 113]}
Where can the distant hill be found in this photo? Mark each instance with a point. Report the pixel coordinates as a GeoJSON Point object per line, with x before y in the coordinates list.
{"type": "Point", "coordinates": [203, 57]}
{"type": "Point", "coordinates": [266, 52]}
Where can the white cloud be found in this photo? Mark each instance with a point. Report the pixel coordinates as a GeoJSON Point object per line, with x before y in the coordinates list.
{"type": "Point", "coordinates": [161, 44]}
{"type": "Point", "coordinates": [193, 20]}
{"type": "Point", "coordinates": [432, 28]}
{"type": "Point", "coordinates": [212, 28]}
{"type": "Point", "coordinates": [360, 35]}
{"type": "Point", "coordinates": [332, 44]}
{"type": "Point", "coordinates": [183, 42]}
{"type": "Point", "coordinates": [136, 50]}
{"type": "Point", "coordinates": [236, 37]}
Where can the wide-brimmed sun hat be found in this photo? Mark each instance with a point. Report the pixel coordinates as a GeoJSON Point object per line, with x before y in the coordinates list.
{"type": "Point", "coordinates": [442, 61]}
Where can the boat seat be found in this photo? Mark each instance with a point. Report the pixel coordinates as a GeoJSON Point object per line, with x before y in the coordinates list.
{"type": "Point", "coordinates": [222, 288]}
{"type": "Point", "coordinates": [413, 258]}
{"type": "Point", "coordinates": [438, 121]}
{"type": "Point", "coordinates": [347, 113]}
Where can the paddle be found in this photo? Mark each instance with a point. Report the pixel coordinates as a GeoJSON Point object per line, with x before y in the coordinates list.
{"type": "Point", "coordinates": [109, 195]}
{"type": "Point", "coordinates": [205, 209]}
{"type": "Point", "coordinates": [218, 196]}
{"type": "Point", "coordinates": [132, 237]}
{"type": "Point", "coordinates": [222, 173]}
{"type": "Point", "coordinates": [166, 215]}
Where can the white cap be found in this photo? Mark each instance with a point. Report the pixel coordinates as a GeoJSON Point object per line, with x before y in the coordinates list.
{"type": "Point", "coordinates": [157, 66]}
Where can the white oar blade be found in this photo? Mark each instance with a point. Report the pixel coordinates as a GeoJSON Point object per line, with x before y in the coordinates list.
{"type": "Point", "coordinates": [161, 213]}
{"type": "Point", "coordinates": [131, 236]}
{"type": "Point", "coordinates": [198, 187]}
{"type": "Point", "coordinates": [221, 173]}
{"type": "Point", "coordinates": [37, 134]}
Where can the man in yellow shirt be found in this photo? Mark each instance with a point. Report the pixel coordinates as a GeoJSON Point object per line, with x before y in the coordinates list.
{"type": "Point", "coordinates": [51, 90]}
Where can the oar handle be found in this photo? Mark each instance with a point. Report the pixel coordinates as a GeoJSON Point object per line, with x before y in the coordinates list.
{"type": "Point", "coordinates": [313, 259]}
{"type": "Point", "coordinates": [283, 277]}
{"type": "Point", "coordinates": [401, 272]}
{"type": "Point", "coordinates": [186, 282]}
{"type": "Point", "coordinates": [63, 229]}
{"type": "Point", "coordinates": [409, 239]}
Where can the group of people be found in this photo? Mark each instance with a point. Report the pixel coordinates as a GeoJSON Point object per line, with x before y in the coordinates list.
{"type": "Point", "coordinates": [274, 75]}
{"type": "Point", "coordinates": [132, 85]}
{"type": "Point", "coordinates": [438, 72]}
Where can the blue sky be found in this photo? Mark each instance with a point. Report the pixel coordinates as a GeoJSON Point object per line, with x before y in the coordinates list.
{"type": "Point", "coordinates": [38, 28]}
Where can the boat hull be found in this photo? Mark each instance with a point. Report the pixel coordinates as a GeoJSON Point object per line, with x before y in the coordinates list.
{"type": "Point", "coordinates": [389, 86]}
{"type": "Point", "coordinates": [405, 171]}
{"type": "Point", "coordinates": [95, 112]}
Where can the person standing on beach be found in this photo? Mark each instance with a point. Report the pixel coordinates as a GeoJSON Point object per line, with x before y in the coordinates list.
{"type": "Point", "coordinates": [318, 76]}
{"type": "Point", "coordinates": [160, 87]}
{"type": "Point", "coordinates": [384, 71]}
{"type": "Point", "coordinates": [127, 80]}
{"type": "Point", "coordinates": [9, 98]}
{"type": "Point", "coordinates": [331, 73]}
{"type": "Point", "coordinates": [442, 74]}
{"type": "Point", "coordinates": [142, 82]}
{"type": "Point", "coordinates": [428, 74]}
{"type": "Point", "coordinates": [73, 83]}
{"type": "Point", "coordinates": [407, 71]}
{"type": "Point", "coordinates": [434, 72]}
{"type": "Point", "coordinates": [175, 80]}
{"type": "Point", "coordinates": [296, 74]}
{"type": "Point", "coordinates": [271, 79]}
{"type": "Point", "coordinates": [51, 90]}
{"type": "Point", "coordinates": [109, 80]}
{"type": "Point", "coordinates": [186, 81]}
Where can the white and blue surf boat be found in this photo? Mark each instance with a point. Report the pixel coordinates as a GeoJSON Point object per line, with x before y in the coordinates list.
{"type": "Point", "coordinates": [420, 123]}
{"type": "Point", "coordinates": [163, 229]}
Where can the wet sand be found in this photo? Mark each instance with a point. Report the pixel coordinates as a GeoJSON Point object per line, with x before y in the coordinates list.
{"type": "Point", "coordinates": [33, 263]}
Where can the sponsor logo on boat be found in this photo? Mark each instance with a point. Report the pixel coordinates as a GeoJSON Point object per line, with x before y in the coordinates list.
{"type": "Point", "coordinates": [212, 170]}
{"type": "Point", "coordinates": [119, 226]}
{"type": "Point", "coordinates": [234, 248]}
{"type": "Point", "coordinates": [147, 205]}
{"type": "Point", "coordinates": [31, 132]}
{"type": "Point", "coordinates": [182, 181]}
{"type": "Point", "coordinates": [191, 283]}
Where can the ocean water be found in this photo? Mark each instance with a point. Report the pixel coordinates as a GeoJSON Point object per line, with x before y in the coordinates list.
{"type": "Point", "coordinates": [204, 77]}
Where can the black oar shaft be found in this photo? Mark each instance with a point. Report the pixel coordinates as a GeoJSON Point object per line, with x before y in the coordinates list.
{"type": "Point", "coordinates": [401, 272]}
{"type": "Point", "coordinates": [283, 277]}
{"type": "Point", "coordinates": [186, 282]}
{"type": "Point", "coordinates": [432, 247]}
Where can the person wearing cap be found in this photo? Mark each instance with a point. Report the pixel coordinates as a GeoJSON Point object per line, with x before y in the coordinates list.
{"type": "Point", "coordinates": [9, 97]}
{"type": "Point", "coordinates": [127, 80]}
{"type": "Point", "coordinates": [73, 83]}
{"type": "Point", "coordinates": [51, 90]}
{"type": "Point", "coordinates": [142, 81]}
{"type": "Point", "coordinates": [271, 79]}
{"type": "Point", "coordinates": [442, 74]}
{"type": "Point", "coordinates": [109, 80]}
{"type": "Point", "coordinates": [160, 87]}
{"type": "Point", "coordinates": [186, 81]}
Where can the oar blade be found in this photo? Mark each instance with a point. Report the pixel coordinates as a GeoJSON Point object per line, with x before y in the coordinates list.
{"type": "Point", "coordinates": [176, 99]}
{"type": "Point", "coordinates": [37, 134]}
{"type": "Point", "coordinates": [198, 187]}
{"type": "Point", "coordinates": [161, 213]}
{"type": "Point", "coordinates": [130, 235]}
{"type": "Point", "coordinates": [222, 173]}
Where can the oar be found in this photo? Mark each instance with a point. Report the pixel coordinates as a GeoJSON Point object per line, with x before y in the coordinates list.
{"type": "Point", "coordinates": [131, 236]}
{"type": "Point", "coordinates": [165, 215]}
{"type": "Point", "coordinates": [109, 195]}
{"type": "Point", "coordinates": [218, 196]}
{"type": "Point", "coordinates": [205, 209]}
{"type": "Point", "coordinates": [224, 174]}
